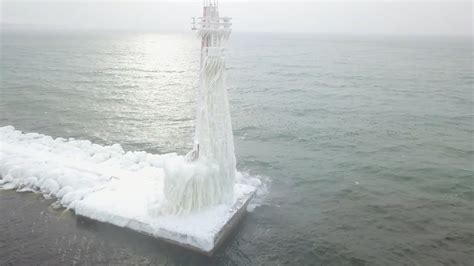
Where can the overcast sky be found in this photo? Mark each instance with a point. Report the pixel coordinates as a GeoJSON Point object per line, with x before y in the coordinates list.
{"type": "Point", "coordinates": [354, 17]}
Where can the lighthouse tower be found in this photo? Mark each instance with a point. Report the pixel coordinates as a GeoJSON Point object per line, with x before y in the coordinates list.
{"type": "Point", "coordinates": [207, 177]}
{"type": "Point", "coordinates": [214, 141]}
{"type": "Point", "coordinates": [213, 104]}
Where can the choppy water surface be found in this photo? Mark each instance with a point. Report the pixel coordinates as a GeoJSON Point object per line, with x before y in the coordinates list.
{"type": "Point", "coordinates": [367, 141]}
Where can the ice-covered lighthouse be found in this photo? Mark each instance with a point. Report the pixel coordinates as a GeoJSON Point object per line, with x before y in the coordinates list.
{"type": "Point", "coordinates": [193, 201]}
{"type": "Point", "coordinates": [207, 176]}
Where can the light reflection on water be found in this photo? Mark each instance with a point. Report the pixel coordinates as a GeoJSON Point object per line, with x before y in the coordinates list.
{"type": "Point", "coordinates": [113, 89]}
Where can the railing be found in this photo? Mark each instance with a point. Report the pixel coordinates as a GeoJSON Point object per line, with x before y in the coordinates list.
{"type": "Point", "coordinates": [207, 22]}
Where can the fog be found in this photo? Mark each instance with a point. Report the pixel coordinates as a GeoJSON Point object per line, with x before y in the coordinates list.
{"type": "Point", "coordinates": [337, 17]}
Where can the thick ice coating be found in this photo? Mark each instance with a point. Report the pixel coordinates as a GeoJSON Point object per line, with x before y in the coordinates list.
{"type": "Point", "coordinates": [107, 184]}
{"type": "Point", "coordinates": [209, 180]}
{"type": "Point", "coordinates": [208, 177]}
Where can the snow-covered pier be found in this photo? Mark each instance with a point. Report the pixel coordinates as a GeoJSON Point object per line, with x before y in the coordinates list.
{"type": "Point", "coordinates": [107, 184]}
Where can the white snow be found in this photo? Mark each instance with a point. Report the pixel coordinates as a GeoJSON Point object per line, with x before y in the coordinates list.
{"type": "Point", "coordinates": [106, 183]}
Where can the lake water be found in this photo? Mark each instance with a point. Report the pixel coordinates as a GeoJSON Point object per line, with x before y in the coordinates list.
{"type": "Point", "coordinates": [365, 143]}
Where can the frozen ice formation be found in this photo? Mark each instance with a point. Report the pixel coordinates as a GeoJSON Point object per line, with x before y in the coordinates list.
{"type": "Point", "coordinates": [69, 169]}
{"type": "Point", "coordinates": [207, 178]}
{"type": "Point", "coordinates": [107, 184]}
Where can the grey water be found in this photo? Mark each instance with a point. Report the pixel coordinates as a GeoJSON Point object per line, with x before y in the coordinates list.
{"type": "Point", "coordinates": [366, 142]}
